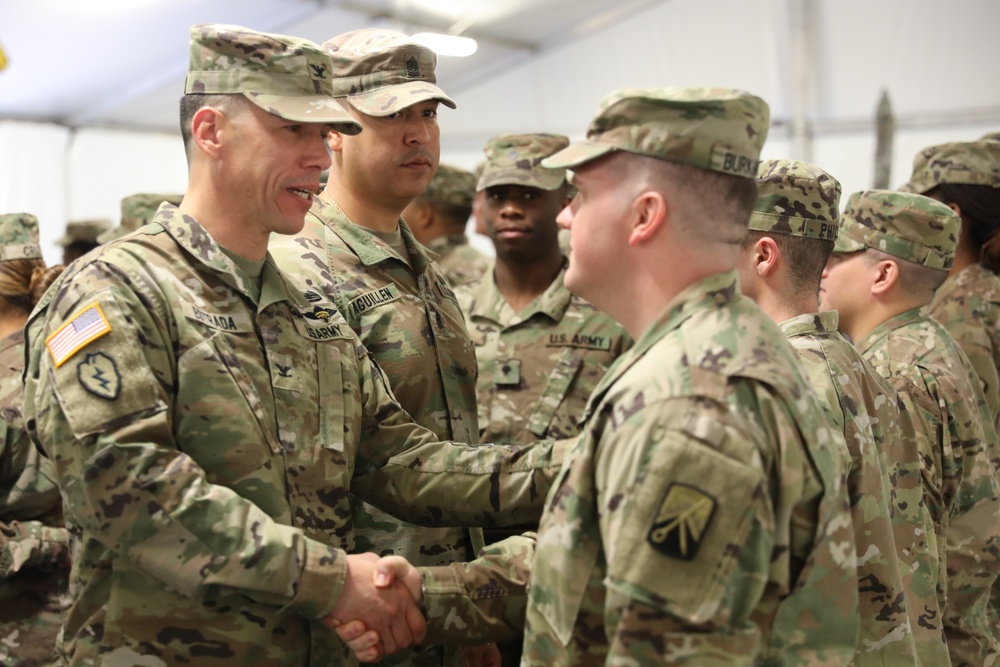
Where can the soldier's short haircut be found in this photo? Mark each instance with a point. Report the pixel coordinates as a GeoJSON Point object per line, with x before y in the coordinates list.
{"type": "Point", "coordinates": [718, 205]}
{"type": "Point", "coordinates": [805, 257]}
{"type": "Point", "coordinates": [192, 102]}
{"type": "Point", "coordinates": [915, 280]}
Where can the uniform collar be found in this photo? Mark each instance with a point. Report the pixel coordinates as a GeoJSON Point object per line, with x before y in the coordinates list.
{"type": "Point", "coordinates": [489, 304]}
{"type": "Point", "coordinates": [367, 247]}
{"type": "Point", "coordinates": [883, 330]}
{"type": "Point", "coordinates": [823, 322]}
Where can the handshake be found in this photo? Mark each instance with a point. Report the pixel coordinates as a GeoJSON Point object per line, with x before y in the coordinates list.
{"type": "Point", "coordinates": [378, 611]}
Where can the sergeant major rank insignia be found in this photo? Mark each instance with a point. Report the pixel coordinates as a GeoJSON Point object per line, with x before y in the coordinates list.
{"type": "Point", "coordinates": [681, 522]}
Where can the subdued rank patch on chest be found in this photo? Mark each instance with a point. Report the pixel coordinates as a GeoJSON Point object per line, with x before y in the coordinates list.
{"type": "Point", "coordinates": [98, 373]}
{"type": "Point", "coordinates": [682, 521]}
{"type": "Point", "coordinates": [369, 300]}
{"type": "Point", "coordinates": [584, 341]}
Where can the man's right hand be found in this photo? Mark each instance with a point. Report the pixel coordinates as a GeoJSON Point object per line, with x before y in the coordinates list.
{"type": "Point", "coordinates": [389, 573]}
{"type": "Point", "coordinates": [385, 607]}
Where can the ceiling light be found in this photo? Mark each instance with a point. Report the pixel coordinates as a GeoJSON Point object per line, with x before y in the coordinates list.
{"type": "Point", "coordinates": [446, 45]}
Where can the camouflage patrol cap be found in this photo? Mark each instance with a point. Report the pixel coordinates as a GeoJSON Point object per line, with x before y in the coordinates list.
{"type": "Point", "coordinates": [451, 185]}
{"type": "Point", "coordinates": [717, 129]}
{"type": "Point", "coordinates": [516, 159]}
{"type": "Point", "coordinates": [285, 76]}
{"type": "Point", "coordinates": [84, 231]}
{"type": "Point", "coordinates": [796, 198]}
{"type": "Point", "coordinates": [382, 71]}
{"type": "Point", "coordinates": [19, 237]}
{"type": "Point", "coordinates": [965, 163]}
{"type": "Point", "coordinates": [137, 210]}
{"type": "Point", "coordinates": [904, 225]}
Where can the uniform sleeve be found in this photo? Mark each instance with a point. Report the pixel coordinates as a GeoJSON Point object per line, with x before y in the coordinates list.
{"type": "Point", "coordinates": [28, 499]}
{"type": "Point", "coordinates": [104, 417]}
{"type": "Point", "coordinates": [483, 600]}
{"type": "Point", "coordinates": [403, 470]}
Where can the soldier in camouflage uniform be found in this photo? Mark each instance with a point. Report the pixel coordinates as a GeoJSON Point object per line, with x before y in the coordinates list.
{"type": "Point", "coordinates": [356, 251]}
{"type": "Point", "coordinates": [438, 218]}
{"type": "Point", "coordinates": [206, 416]}
{"type": "Point", "coordinates": [966, 177]}
{"type": "Point", "coordinates": [700, 518]}
{"type": "Point", "coordinates": [137, 210]}
{"type": "Point", "coordinates": [792, 232]}
{"type": "Point", "coordinates": [81, 237]}
{"type": "Point", "coordinates": [893, 250]}
{"type": "Point", "coordinates": [33, 542]}
{"type": "Point", "coordinates": [541, 350]}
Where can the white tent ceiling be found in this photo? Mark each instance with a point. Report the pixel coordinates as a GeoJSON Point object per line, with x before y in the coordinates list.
{"type": "Point", "coordinates": [95, 68]}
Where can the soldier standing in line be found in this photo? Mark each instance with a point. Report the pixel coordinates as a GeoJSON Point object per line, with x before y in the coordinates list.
{"type": "Point", "coordinates": [893, 250]}
{"type": "Point", "coordinates": [34, 551]}
{"type": "Point", "coordinates": [81, 237]}
{"type": "Point", "coordinates": [206, 417]}
{"type": "Point", "coordinates": [137, 210]}
{"type": "Point", "coordinates": [700, 518]}
{"type": "Point", "coordinates": [966, 178]}
{"type": "Point", "coordinates": [356, 250]}
{"type": "Point", "coordinates": [438, 218]}
{"type": "Point", "coordinates": [792, 232]}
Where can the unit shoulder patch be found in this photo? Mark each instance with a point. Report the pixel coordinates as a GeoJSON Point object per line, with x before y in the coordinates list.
{"type": "Point", "coordinates": [98, 373]}
{"type": "Point", "coordinates": [681, 522]}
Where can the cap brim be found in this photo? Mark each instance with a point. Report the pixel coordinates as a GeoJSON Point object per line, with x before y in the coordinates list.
{"type": "Point", "coordinates": [308, 109]}
{"type": "Point", "coordinates": [577, 154]}
{"type": "Point", "coordinates": [392, 99]}
{"type": "Point", "coordinates": [546, 182]}
{"type": "Point", "coordinates": [846, 245]}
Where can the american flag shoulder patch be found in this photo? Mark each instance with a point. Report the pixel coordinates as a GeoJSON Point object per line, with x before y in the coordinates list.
{"type": "Point", "coordinates": [86, 326]}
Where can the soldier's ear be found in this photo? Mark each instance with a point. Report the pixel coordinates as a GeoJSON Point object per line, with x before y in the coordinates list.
{"type": "Point", "coordinates": [208, 127]}
{"type": "Point", "coordinates": [885, 276]}
{"type": "Point", "coordinates": [648, 214]}
{"type": "Point", "coordinates": [766, 255]}
{"type": "Point", "coordinates": [335, 141]}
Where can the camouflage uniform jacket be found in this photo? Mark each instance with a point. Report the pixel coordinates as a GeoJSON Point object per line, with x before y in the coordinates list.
{"type": "Point", "coordinates": [891, 523]}
{"type": "Point", "coordinates": [701, 517]}
{"type": "Point", "coordinates": [460, 262]}
{"type": "Point", "coordinates": [33, 541]}
{"type": "Point", "coordinates": [205, 439]}
{"type": "Point", "coordinates": [960, 454]}
{"type": "Point", "coordinates": [968, 306]}
{"type": "Point", "coordinates": [537, 368]}
{"type": "Point", "coordinates": [410, 322]}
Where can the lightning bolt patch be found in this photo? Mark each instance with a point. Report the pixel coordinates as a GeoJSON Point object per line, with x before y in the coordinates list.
{"type": "Point", "coordinates": [98, 373]}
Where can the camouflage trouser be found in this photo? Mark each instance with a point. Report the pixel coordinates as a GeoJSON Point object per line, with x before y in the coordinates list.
{"type": "Point", "coordinates": [30, 617]}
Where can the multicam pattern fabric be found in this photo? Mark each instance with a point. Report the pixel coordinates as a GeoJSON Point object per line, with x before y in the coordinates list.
{"type": "Point", "coordinates": [965, 163]}
{"type": "Point", "coordinates": [538, 367]}
{"type": "Point", "coordinates": [692, 523]}
{"type": "Point", "coordinates": [33, 542]}
{"type": "Point", "coordinates": [451, 185]}
{"type": "Point", "coordinates": [515, 159]}
{"type": "Point", "coordinates": [968, 306]}
{"type": "Point", "coordinates": [960, 454]}
{"type": "Point", "coordinates": [19, 237]}
{"type": "Point", "coordinates": [480, 601]}
{"type": "Point", "coordinates": [911, 227]}
{"type": "Point", "coordinates": [893, 530]}
{"type": "Point", "coordinates": [407, 317]}
{"type": "Point", "coordinates": [83, 231]}
{"type": "Point", "coordinates": [460, 263]}
{"type": "Point", "coordinates": [382, 71]}
{"type": "Point", "coordinates": [285, 76]}
{"type": "Point", "coordinates": [206, 470]}
{"type": "Point", "coordinates": [796, 198]}
{"type": "Point", "coordinates": [718, 129]}
{"type": "Point", "coordinates": [138, 210]}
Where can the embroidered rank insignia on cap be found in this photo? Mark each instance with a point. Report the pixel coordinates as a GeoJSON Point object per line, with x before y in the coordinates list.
{"type": "Point", "coordinates": [98, 373]}
{"type": "Point", "coordinates": [682, 521]}
{"type": "Point", "coordinates": [86, 326]}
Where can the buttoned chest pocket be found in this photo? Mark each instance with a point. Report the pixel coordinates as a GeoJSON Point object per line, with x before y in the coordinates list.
{"type": "Point", "coordinates": [221, 417]}
{"type": "Point", "coordinates": [308, 377]}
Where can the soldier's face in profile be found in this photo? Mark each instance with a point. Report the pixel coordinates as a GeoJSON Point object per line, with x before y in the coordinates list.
{"type": "Point", "coordinates": [598, 239]}
{"type": "Point", "coordinates": [845, 286]}
{"type": "Point", "coordinates": [521, 220]}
